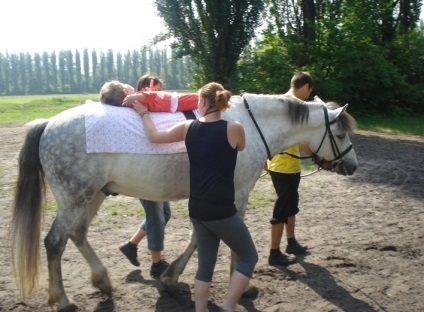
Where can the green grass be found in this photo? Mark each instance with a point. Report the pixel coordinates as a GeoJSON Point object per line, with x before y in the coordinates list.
{"type": "Point", "coordinates": [401, 125]}
{"type": "Point", "coordinates": [30, 107]}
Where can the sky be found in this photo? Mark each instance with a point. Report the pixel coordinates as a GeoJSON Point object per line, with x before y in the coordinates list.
{"type": "Point", "coordinates": [52, 25]}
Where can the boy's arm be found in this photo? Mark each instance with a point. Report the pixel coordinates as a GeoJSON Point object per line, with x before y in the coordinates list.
{"type": "Point", "coordinates": [130, 99]}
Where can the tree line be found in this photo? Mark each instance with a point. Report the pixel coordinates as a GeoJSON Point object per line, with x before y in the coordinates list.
{"type": "Point", "coordinates": [368, 53]}
{"type": "Point", "coordinates": [67, 71]}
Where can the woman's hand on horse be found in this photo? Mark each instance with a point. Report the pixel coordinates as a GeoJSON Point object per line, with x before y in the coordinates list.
{"type": "Point", "coordinates": [140, 108]}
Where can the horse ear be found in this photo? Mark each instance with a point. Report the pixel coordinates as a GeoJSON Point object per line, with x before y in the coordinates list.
{"type": "Point", "coordinates": [344, 108]}
{"type": "Point", "coordinates": [318, 100]}
{"type": "Point", "coordinates": [337, 112]}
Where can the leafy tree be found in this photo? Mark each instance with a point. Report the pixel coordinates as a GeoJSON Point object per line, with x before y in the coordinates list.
{"type": "Point", "coordinates": [53, 64]}
{"type": "Point", "coordinates": [86, 61]}
{"type": "Point", "coordinates": [127, 67]}
{"type": "Point", "coordinates": [3, 68]}
{"type": "Point", "coordinates": [110, 65]}
{"type": "Point", "coordinates": [214, 33]}
{"type": "Point", "coordinates": [102, 68]}
{"type": "Point", "coordinates": [30, 80]}
{"type": "Point", "coordinates": [359, 52]}
{"type": "Point", "coordinates": [23, 73]}
{"type": "Point", "coordinates": [119, 65]}
{"type": "Point", "coordinates": [38, 80]}
{"type": "Point", "coordinates": [14, 71]}
{"type": "Point", "coordinates": [62, 71]}
{"type": "Point", "coordinates": [7, 74]}
{"type": "Point", "coordinates": [265, 68]}
{"type": "Point", "coordinates": [70, 69]}
{"type": "Point", "coordinates": [46, 67]}
{"type": "Point", "coordinates": [135, 67]}
{"type": "Point", "coordinates": [143, 60]}
{"type": "Point", "coordinates": [94, 68]}
{"type": "Point", "coordinates": [78, 73]}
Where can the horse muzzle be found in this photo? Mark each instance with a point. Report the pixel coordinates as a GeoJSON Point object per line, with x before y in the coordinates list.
{"type": "Point", "coordinates": [345, 167]}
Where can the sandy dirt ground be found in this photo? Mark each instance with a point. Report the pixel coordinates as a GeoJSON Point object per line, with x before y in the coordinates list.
{"type": "Point", "coordinates": [365, 235]}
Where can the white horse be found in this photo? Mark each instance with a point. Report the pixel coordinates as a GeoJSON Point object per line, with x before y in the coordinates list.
{"type": "Point", "coordinates": [55, 150]}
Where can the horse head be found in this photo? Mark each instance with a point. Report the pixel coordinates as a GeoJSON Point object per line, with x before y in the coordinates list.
{"type": "Point", "coordinates": [334, 144]}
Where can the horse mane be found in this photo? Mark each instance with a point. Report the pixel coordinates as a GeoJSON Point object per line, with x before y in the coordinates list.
{"type": "Point", "coordinates": [298, 112]}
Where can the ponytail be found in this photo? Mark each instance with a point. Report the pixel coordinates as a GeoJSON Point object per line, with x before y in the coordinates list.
{"type": "Point", "coordinates": [215, 96]}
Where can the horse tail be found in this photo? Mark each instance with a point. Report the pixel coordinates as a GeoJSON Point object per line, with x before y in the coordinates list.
{"type": "Point", "coordinates": [26, 225]}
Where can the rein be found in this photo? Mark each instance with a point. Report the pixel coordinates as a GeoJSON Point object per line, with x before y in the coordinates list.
{"type": "Point", "coordinates": [257, 127]}
{"type": "Point", "coordinates": [314, 156]}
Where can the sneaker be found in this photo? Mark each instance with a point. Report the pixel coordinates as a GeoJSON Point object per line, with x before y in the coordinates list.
{"type": "Point", "coordinates": [130, 251]}
{"type": "Point", "coordinates": [157, 269]}
{"type": "Point", "coordinates": [296, 249]}
{"type": "Point", "coordinates": [281, 259]}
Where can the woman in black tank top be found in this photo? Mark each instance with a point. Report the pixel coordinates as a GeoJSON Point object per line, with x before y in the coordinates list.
{"type": "Point", "coordinates": [212, 147]}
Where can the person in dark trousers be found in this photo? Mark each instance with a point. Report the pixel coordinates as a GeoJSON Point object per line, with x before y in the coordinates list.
{"type": "Point", "coordinates": [285, 174]}
{"type": "Point", "coordinates": [212, 146]}
{"type": "Point", "coordinates": [157, 213]}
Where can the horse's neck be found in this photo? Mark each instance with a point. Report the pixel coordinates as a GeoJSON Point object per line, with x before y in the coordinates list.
{"type": "Point", "coordinates": [275, 123]}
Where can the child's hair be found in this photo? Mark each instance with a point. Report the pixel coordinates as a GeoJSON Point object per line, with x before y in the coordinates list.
{"type": "Point", "coordinates": [113, 93]}
{"type": "Point", "coordinates": [144, 81]}
{"type": "Point", "coordinates": [215, 95]}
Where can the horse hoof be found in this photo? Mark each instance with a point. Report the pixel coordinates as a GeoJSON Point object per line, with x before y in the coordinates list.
{"type": "Point", "coordinates": [70, 307]}
{"type": "Point", "coordinates": [106, 290]}
{"type": "Point", "coordinates": [102, 282]}
{"type": "Point", "coordinates": [169, 285]}
{"type": "Point", "coordinates": [250, 292]}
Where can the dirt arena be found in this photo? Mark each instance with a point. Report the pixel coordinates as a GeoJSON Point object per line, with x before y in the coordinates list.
{"type": "Point", "coordinates": [365, 235]}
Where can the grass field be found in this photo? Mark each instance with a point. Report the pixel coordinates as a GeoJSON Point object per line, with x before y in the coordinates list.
{"type": "Point", "coordinates": [30, 107]}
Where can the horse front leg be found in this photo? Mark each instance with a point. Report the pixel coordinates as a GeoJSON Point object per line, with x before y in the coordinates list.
{"type": "Point", "coordinates": [169, 278]}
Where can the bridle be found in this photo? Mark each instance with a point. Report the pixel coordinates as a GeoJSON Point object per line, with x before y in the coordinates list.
{"type": "Point", "coordinates": [336, 152]}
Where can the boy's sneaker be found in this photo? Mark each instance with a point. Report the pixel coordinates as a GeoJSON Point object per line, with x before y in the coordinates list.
{"type": "Point", "coordinates": [130, 251]}
{"type": "Point", "coordinates": [296, 249]}
{"type": "Point", "coordinates": [281, 259]}
{"type": "Point", "coordinates": [157, 269]}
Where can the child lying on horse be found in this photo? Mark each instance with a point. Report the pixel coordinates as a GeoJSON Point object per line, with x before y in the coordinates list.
{"type": "Point", "coordinates": [117, 94]}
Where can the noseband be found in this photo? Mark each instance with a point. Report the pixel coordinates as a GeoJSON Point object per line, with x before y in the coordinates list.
{"type": "Point", "coordinates": [334, 147]}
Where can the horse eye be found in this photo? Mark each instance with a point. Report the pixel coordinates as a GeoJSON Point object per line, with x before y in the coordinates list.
{"type": "Point", "coordinates": [341, 136]}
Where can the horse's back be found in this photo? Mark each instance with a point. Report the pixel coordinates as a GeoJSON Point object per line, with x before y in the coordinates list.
{"type": "Point", "coordinates": [71, 169]}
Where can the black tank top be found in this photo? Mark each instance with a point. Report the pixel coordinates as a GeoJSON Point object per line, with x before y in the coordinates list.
{"type": "Point", "coordinates": [212, 164]}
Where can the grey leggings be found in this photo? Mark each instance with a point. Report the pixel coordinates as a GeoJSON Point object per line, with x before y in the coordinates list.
{"type": "Point", "coordinates": [234, 233]}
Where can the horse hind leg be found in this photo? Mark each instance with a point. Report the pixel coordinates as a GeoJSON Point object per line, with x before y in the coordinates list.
{"type": "Point", "coordinates": [55, 243]}
{"type": "Point", "coordinates": [72, 224]}
{"type": "Point", "coordinates": [99, 276]}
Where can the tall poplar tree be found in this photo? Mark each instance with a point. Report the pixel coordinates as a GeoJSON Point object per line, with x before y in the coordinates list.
{"type": "Point", "coordinates": [86, 61]}
{"type": "Point", "coordinates": [46, 67]}
{"type": "Point", "coordinates": [53, 64]}
{"type": "Point", "coordinates": [38, 74]}
{"type": "Point", "coordinates": [23, 73]}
